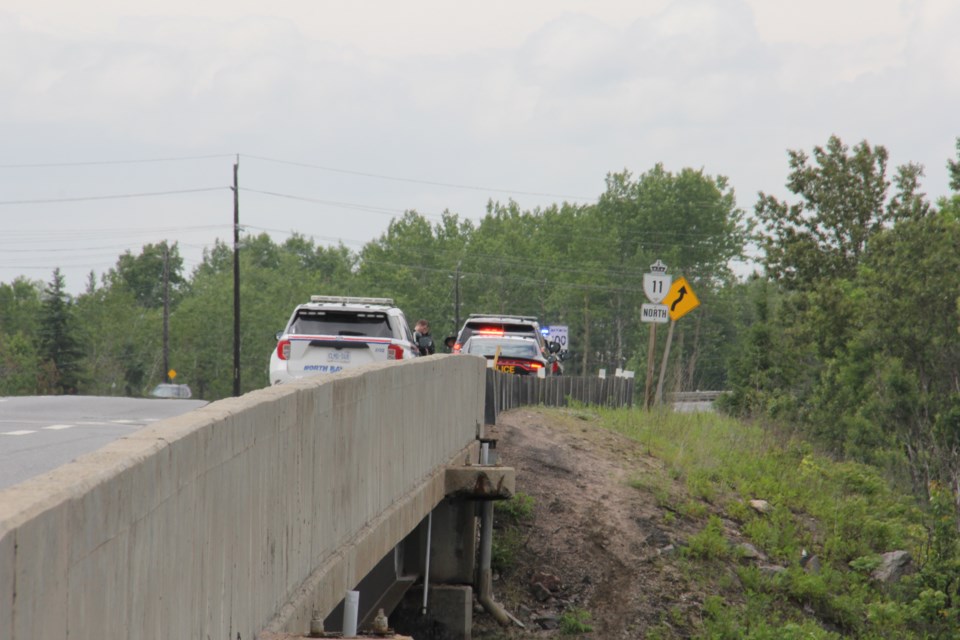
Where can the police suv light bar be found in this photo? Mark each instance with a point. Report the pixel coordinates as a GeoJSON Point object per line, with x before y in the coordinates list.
{"type": "Point", "coordinates": [352, 300]}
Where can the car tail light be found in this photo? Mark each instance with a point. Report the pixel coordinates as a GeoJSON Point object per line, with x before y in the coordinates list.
{"type": "Point", "coordinates": [490, 331]}
{"type": "Point", "coordinates": [394, 352]}
{"type": "Point", "coordinates": [457, 347]}
{"type": "Point", "coordinates": [535, 365]}
{"type": "Point", "coordinates": [283, 349]}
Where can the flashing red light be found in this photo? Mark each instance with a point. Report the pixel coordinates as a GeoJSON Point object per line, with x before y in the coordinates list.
{"type": "Point", "coordinates": [490, 331]}
{"type": "Point", "coordinates": [283, 349]}
{"type": "Point", "coordinates": [394, 352]}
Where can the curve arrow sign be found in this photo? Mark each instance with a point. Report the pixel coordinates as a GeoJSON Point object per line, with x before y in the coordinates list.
{"type": "Point", "coordinates": [681, 299]}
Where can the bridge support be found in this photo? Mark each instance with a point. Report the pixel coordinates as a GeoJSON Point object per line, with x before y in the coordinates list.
{"type": "Point", "coordinates": [453, 556]}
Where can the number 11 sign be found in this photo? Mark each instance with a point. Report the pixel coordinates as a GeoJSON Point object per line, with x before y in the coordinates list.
{"type": "Point", "coordinates": [656, 284]}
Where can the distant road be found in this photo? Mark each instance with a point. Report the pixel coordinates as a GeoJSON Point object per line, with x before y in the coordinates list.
{"type": "Point", "coordinates": [40, 433]}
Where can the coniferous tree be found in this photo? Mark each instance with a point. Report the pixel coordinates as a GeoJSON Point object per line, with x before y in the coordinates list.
{"type": "Point", "coordinates": [59, 346]}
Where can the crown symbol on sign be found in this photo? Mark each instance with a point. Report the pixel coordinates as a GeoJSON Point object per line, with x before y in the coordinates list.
{"type": "Point", "coordinates": [658, 267]}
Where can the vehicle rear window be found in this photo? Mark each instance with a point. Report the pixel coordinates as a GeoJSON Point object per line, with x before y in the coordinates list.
{"type": "Point", "coordinates": [495, 328]}
{"type": "Point", "coordinates": [322, 322]}
{"type": "Point", "coordinates": [508, 348]}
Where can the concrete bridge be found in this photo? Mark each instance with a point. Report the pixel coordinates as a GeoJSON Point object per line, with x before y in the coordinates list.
{"type": "Point", "coordinates": [255, 515]}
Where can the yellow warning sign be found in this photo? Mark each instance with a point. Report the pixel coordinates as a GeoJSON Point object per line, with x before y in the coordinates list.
{"type": "Point", "coordinates": [681, 299]}
{"type": "Point", "coordinates": [171, 374]}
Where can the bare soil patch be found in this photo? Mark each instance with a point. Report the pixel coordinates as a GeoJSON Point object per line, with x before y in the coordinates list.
{"type": "Point", "coordinates": [594, 543]}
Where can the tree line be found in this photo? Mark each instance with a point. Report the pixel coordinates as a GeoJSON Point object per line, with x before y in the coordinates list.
{"type": "Point", "coordinates": [849, 332]}
{"type": "Point", "coordinates": [577, 265]}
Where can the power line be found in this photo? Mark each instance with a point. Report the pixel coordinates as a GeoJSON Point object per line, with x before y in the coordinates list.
{"type": "Point", "coordinates": [110, 197]}
{"type": "Point", "coordinates": [87, 163]}
{"type": "Point", "coordinates": [48, 236]}
{"type": "Point", "coordinates": [418, 181]}
{"type": "Point", "coordinates": [348, 205]}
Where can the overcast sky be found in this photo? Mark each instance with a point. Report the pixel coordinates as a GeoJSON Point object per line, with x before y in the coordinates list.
{"type": "Point", "coordinates": [345, 114]}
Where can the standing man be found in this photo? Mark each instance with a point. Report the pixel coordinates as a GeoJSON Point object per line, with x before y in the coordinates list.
{"type": "Point", "coordinates": [421, 334]}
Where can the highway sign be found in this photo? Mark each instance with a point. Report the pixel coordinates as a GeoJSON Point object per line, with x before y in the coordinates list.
{"type": "Point", "coordinates": [681, 299]}
{"type": "Point", "coordinates": [558, 333]}
{"type": "Point", "coordinates": [657, 282]}
{"type": "Point", "coordinates": [655, 313]}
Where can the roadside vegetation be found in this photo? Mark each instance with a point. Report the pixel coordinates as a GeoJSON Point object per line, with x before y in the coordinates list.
{"type": "Point", "coordinates": [781, 539]}
{"type": "Point", "coordinates": [844, 514]}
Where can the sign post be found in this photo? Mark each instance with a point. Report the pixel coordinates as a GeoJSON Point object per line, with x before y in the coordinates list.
{"type": "Point", "coordinates": [680, 300]}
{"type": "Point", "coordinates": [656, 285]}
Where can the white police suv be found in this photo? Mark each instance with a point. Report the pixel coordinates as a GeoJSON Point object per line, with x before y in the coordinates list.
{"type": "Point", "coordinates": [333, 333]}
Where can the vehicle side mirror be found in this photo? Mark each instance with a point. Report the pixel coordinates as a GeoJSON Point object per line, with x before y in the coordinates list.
{"type": "Point", "coordinates": [279, 335]}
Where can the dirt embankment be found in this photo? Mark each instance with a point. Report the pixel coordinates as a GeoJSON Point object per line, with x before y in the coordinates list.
{"type": "Point", "coordinates": [594, 543]}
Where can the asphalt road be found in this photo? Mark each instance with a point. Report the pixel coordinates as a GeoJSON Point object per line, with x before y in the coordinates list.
{"type": "Point", "coordinates": [40, 433]}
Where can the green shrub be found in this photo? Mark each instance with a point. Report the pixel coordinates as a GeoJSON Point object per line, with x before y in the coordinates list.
{"type": "Point", "coordinates": [575, 621]}
{"type": "Point", "coordinates": [507, 540]}
{"type": "Point", "coordinates": [692, 509]}
{"type": "Point", "coordinates": [710, 543]}
{"type": "Point", "coordinates": [516, 509]}
{"type": "Point", "coordinates": [504, 547]}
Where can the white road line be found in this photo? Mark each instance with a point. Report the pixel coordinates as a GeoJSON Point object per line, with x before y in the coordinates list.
{"type": "Point", "coordinates": [58, 427]}
{"type": "Point", "coordinates": [127, 421]}
{"type": "Point", "coordinates": [16, 433]}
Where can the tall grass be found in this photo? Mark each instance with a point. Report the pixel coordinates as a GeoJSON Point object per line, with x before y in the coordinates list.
{"type": "Point", "coordinates": [845, 513]}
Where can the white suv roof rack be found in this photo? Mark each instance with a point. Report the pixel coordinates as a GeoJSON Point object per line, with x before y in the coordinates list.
{"type": "Point", "coordinates": [352, 300]}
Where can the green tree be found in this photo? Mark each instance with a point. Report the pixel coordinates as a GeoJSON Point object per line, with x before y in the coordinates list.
{"type": "Point", "coordinates": [20, 303]}
{"type": "Point", "coordinates": [202, 325]}
{"type": "Point", "coordinates": [415, 263]}
{"type": "Point", "coordinates": [843, 203]}
{"type": "Point", "coordinates": [122, 342]}
{"type": "Point", "coordinates": [59, 344]}
{"type": "Point", "coordinates": [144, 275]}
{"type": "Point", "coordinates": [897, 374]}
{"type": "Point", "coordinates": [815, 247]}
{"type": "Point", "coordinates": [691, 222]}
{"type": "Point", "coordinates": [20, 370]}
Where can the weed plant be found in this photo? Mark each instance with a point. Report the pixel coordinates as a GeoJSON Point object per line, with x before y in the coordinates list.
{"type": "Point", "coordinates": [575, 621]}
{"type": "Point", "coordinates": [506, 544]}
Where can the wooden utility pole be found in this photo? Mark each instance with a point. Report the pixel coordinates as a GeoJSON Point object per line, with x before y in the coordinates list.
{"type": "Point", "coordinates": [236, 279]}
{"type": "Point", "coordinates": [166, 312]}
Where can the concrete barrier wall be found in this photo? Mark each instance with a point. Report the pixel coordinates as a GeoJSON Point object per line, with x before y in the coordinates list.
{"type": "Point", "coordinates": [208, 524]}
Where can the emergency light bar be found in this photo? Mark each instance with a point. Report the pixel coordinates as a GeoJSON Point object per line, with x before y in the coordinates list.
{"type": "Point", "coordinates": [352, 300]}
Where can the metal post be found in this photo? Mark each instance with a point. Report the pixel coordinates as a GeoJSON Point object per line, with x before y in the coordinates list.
{"type": "Point", "coordinates": [426, 573]}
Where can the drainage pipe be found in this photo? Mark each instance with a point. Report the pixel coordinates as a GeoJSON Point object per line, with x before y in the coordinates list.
{"type": "Point", "coordinates": [426, 574]}
{"type": "Point", "coordinates": [485, 575]}
{"type": "Point", "coordinates": [351, 605]}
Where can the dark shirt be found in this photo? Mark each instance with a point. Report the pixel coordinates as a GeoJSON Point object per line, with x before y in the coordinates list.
{"type": "Point", "coordinates": [424, 343]}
